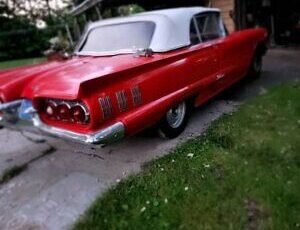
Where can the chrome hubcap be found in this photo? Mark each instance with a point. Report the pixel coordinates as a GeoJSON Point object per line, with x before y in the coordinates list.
{"type": "Point", "coordinates": [175, 116]}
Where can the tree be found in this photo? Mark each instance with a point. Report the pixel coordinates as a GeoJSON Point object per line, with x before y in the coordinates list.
{"type": "Point", "coordinates": [19, 35]}
{"type": "Point", "coordinates": [33, 10]}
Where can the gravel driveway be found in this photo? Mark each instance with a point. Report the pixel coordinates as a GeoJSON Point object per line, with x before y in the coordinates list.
{"type": "Point", "coordinates": [62, 179]}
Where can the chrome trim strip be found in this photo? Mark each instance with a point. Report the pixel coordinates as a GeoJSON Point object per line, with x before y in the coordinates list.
{"type": "Point", "coordinates": [124, 52]}
{"type": "Point", "coordinates": [11, 120]}
{"type": "Point", "coordinates": [105, 136]}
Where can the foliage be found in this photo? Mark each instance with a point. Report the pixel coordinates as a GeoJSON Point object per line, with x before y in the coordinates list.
{"type": "Point", "coordinates": [130, 9]}
{"type": "Point", "coordinates": [25, 43]}
{"type": "Point", "coordinates": [242, 174]}
{"type": "Point", "coordinates": [19, 35]}
{"type": "Point", "coordinates": [47, 10]}
{"type": "Point", "coordinates": [124, 10]}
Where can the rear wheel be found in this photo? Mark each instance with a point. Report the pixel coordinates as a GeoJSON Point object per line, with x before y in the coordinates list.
{"type": "Point", "coordinates": [256, 66]}
{"type": "Point", "coordinates": [175, 121]}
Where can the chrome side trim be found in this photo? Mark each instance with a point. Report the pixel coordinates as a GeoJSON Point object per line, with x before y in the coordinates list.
{"type": "Point", "coordinates": [129, 51]}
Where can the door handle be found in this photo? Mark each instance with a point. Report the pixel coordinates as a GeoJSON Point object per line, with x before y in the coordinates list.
{"type": "Point", "coordinates": [220, 76]}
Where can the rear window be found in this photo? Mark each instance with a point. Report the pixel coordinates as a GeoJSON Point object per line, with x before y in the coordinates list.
{"type": "Point", "coordinates": [118, 37]}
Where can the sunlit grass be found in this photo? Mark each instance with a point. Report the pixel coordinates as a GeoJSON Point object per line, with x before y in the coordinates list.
{"type": "Point", "coordinates": [20, 62]}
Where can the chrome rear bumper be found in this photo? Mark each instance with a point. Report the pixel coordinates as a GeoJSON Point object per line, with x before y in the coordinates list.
{"type": "Point", "coordinates": [11, 119]}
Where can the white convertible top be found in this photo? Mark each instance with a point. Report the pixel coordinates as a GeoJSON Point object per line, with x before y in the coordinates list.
{"type": "Point", "coordinates": [172, 26]}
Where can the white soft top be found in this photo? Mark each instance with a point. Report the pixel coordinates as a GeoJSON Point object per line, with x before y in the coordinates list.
{"type": "Point", "coordinates": [172, 26]}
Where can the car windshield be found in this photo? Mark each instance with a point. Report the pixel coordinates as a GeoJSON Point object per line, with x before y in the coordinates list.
{"type": "Point", "coordinates": [119, 37]}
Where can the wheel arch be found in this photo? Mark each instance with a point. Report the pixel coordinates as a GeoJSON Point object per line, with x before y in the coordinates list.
{"type": "Point", "coordinates": [261, 48]}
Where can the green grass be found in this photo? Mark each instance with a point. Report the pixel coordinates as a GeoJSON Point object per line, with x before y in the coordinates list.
{"type": "Point", "coordinates": [21, 62]}
{"type": "Point", "coordinates": [244, 173]}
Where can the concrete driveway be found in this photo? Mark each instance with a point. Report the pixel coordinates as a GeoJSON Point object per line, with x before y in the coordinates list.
{"type": "Point", "coordinates": [62, 179]}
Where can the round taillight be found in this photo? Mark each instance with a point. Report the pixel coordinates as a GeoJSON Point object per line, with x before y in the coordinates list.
{"type": "Point", "coordinates": [79, 114]}
{"type": "Point", "coordinates": [51, 109]}
{"type": "Point", "coordinates": [63, 112]}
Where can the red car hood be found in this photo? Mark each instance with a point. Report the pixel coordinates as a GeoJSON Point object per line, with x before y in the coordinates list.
{"type": "Point", "coordinates": [61, 79]}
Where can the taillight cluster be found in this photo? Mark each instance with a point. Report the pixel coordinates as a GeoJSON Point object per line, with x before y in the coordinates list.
{"type": "Point", "coordinates": [68, 111]}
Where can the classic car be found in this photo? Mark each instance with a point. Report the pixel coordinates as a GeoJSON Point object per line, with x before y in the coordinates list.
{"type": "Point", "coordinates": [131, 73]}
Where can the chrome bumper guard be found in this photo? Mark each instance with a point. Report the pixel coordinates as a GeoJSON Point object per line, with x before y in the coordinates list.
{"type": "Point", "coordinates": [16, 116]}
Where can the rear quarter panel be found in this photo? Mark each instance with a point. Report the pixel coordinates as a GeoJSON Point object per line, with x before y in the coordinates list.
{"type": "Point", "coordinates": [164, 80]}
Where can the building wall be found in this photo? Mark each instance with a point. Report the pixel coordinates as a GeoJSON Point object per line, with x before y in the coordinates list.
{"type": "Point", "coordinates": [225, 6]}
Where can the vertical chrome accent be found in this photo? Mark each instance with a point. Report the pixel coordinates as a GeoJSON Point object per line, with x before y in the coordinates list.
{"type": "Point", "coordinates": [122, 100]}
{"type": "Point", "coordinates": [136, 96]}
{"type": "Point", "coordinates": [105, 104]}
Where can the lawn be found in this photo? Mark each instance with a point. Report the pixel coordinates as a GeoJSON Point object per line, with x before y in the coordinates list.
{"type": "Point", "coordinates": [243, 173]}
{"type": "Point", "coordinates": [20, 62]}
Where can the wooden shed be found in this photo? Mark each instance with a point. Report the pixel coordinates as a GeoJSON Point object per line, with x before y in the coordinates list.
{"type": "Point", "coordinates": [227, 8]}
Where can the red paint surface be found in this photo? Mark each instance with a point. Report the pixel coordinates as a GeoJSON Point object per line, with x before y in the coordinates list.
{"type": "Point", "coordinates": [164, 80]}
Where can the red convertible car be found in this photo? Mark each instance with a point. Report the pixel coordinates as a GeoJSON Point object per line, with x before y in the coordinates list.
{"type": "Point", "coordinates": [128, 74]}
